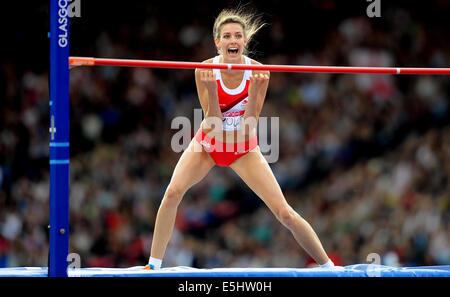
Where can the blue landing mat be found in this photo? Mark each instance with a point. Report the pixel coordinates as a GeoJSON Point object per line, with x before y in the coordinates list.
{"type": "Point", "coordinates": [358, 270]}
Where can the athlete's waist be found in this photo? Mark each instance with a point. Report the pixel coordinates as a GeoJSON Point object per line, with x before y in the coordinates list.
{"type": "Point", "coordinates": [233, 113]}
{"type": "Point", "coordinates": [228, 136]}
{"type": "Point", "coordinates": [211, 143]}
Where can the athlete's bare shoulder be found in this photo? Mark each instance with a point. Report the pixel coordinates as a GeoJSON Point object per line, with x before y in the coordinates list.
{"type": "Point", "coordinates": [206, 61]}
{"type": "Point", "coordinates": [254, 62]}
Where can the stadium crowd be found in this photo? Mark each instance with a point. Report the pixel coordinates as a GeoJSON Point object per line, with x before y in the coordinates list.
{"type": "Point", "coordinates": [364, 158]}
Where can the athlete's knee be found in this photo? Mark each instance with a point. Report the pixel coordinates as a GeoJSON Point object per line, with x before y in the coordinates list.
{"type": "Point", "coordinates": [172, 196]}
{"type": "Point", "coordinates": [287, 216]}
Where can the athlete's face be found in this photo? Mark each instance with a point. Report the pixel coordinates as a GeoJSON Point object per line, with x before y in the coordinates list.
{"type": "Point", "coordinates": [231, 41]}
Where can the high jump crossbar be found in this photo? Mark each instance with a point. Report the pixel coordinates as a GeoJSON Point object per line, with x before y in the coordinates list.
{"type": "Point", "coordinates": [91, 61]}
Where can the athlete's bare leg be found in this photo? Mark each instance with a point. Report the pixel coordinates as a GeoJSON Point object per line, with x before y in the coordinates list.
{"type": "Point", "coordinates": [256, 173]}
{"type": "Point", "coordinates": [193, 166]}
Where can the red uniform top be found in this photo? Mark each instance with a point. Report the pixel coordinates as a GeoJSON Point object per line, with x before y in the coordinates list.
{"type": "Point", "coordinates": [232, 102]}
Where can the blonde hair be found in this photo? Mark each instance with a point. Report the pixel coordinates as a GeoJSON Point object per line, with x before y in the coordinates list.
{"type": "Point", "coordinates": [250, 22]}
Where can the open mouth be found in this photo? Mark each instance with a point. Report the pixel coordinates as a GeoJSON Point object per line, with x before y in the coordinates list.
{"type": "Point", "coordinates": [233, 50]}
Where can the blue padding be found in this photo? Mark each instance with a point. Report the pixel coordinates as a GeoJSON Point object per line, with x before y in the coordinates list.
{"type": "Point", "coordinates": [358, 270]}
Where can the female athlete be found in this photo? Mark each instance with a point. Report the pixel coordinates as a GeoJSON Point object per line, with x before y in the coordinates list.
{"type": "Point", "coordinates": [231, 102]}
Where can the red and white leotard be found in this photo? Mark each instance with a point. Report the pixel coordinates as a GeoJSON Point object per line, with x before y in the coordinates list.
{"type": "Point", "coordinates": [232, 102]}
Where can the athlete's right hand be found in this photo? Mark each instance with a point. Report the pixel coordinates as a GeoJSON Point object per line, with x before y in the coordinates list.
{"type": "Point", "coordinates": [208, 78]}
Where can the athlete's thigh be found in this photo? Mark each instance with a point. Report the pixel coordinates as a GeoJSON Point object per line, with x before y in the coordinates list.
{"type": "Point", "coordinates": [193, 165]}
{"type": "Point", "coordinates": [257, 174]}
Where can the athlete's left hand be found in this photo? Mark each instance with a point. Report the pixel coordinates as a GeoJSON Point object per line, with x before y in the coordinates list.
{"type": "Point", "coordinates": [256, 82]}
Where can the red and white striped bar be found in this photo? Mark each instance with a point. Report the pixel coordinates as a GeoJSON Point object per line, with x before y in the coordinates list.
{"type": "Point", "coordinates": [90, 61]}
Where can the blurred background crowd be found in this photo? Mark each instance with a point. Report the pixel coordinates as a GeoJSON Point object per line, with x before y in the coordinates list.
{"type": "Point", "coordinates": [364, 158]}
